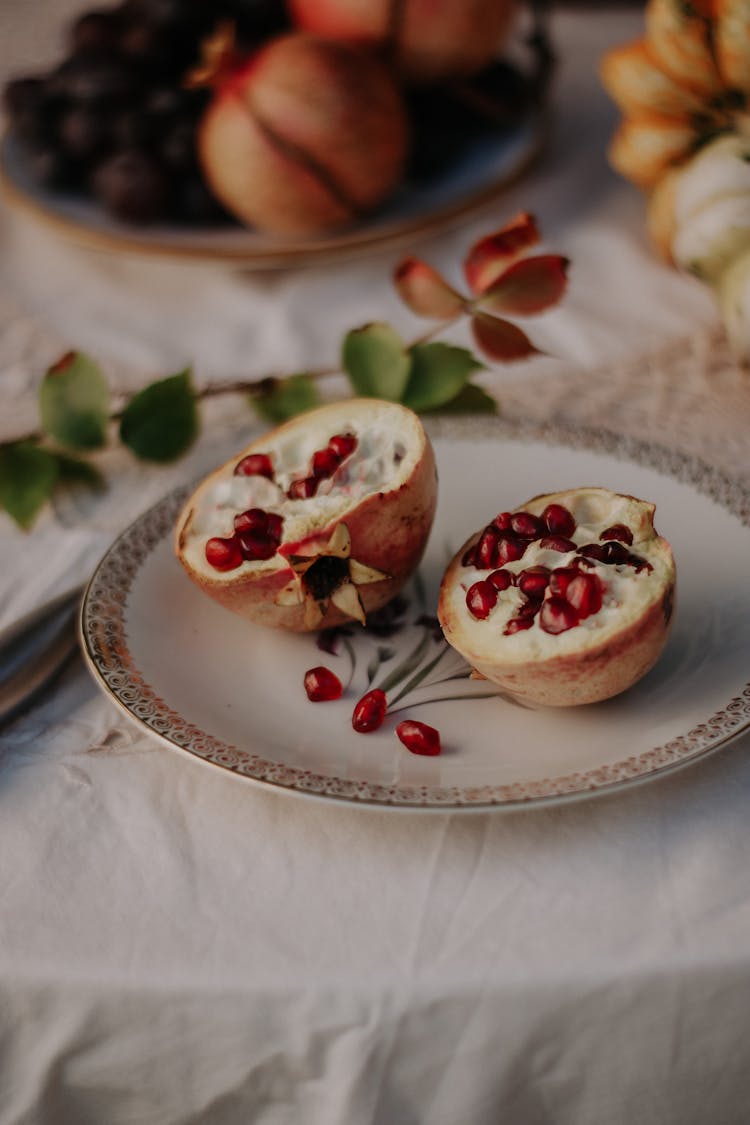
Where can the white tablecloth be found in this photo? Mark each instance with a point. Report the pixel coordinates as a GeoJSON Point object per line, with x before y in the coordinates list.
{"type": "Point", "coordinates": [176, 947]}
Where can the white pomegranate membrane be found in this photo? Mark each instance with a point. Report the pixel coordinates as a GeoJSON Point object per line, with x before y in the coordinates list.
{"type": "Point", "coordinates": [572, 625]}
{"type": "Point", "coordinates": [541, 612]}
{"type": "Point", "coordinates": [300, 484]}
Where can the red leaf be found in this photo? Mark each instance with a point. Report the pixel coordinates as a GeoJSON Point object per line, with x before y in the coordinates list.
{"type": "Point", "coordinates": [489, 257]}
{"type": "Point", "coordinates": [501, 340]}
{"type": "Point", "coordinates": [528, 286]}
{"type": "Point", "coordinates": [425, 291]}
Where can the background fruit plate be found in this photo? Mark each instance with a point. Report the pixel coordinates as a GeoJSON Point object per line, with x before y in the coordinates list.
{"type": "Point", "coordinates": [484, 171]}
{"type": "Point", "coordinates": [230, 694]}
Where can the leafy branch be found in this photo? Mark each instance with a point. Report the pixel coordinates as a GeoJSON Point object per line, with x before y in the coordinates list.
{"type": "Point", "coordinates": [160, 422]}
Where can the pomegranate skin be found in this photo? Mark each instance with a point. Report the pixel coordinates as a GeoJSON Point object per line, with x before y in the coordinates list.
{"type": "Point", "coordinates": [591, 664]}
{"type": "Point", "coordinates": [310, 135]}
{"type": "Point", "coordinates": [430, 40]}
{"type": "Point", "coordinates": [388, 527]}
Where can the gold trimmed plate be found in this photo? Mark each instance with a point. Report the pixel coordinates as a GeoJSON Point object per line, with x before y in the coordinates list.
{"type": "Point", "coordinates": [231, 695]}
{"type": "Point", "coordinates": [487, 170]}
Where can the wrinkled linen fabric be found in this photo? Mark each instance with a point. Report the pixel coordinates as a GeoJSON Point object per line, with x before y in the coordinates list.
{"type": "Point", "coordinates": [177, 947]}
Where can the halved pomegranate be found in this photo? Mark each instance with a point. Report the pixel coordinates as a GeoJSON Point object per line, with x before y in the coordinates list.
{"type": "Point", "coordinates": [584, 617]}
{"type": "Point", "coordinates": [332, 532]}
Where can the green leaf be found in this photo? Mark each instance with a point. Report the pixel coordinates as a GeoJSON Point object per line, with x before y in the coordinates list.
{"type": "Point", "coordinates": [471, 400]}
{"type": "Point", "coordinates": [439, 372]}
{"type": "Point", "coordinates": [161, 422]}
{"type": "Point", "coordinates": [28, 475]}
{"type": "Point", "coordinates": [72, 470]}
{"type": "Point", "coordinates": [376, 361]}
{"type": "Point", "coordinates": [74, 402]}
{"type": "Point", "coordinates": [287, 397]}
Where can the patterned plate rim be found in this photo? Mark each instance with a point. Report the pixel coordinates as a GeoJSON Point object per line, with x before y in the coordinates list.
{"type": "Point", "coordinates": [104, 643]}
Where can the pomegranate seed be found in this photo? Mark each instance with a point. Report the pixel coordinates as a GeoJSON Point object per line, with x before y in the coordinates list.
{"type": "Point", "coordinates": [254, 465]}
{"type": "Point", "coordinates": [596, 551]}
{"type": "Point", "coordinates": [342, 445]}
{"type": "Point", "coordinates": [557, 543]}
{"type": "Point", "coordinates": [480, 599]}
{"type": "Point", "coordinates": [275, 524]}
{"type": "Point", "coordinates": [518, 624]}
{"type": "Point", "coordinates": [510, 548]}
{"type": "Point", "coordinates": [418, 737]}
{"type": "Point", "coordinates": [559, 520]}
{"type": "Point", "coordinates": [502, 521]}
{"type": "Point", "coordinates": [534, 581]}
{"type": "Point", "coordinates": [557, 616]}
{"type": "Point", "coordinates": [639, 563]}
{"type": "Point", "coordinates": [585, 594]}
{"type": "Point", "coordinates": [325, 463]}
{"type": "Point", "coordinates": [527, 526]}
{"type": "Point", "coordinates": [223, 554]}
{"type": "Point", "coordinates": [501, 579]}
{"type": "Point", "coordinates": [256, 547]}
{"type": "Point", "coordinates": [616, 553]}
{"type": "Point", "coordinates": [302, 489]}
{"type": "Point", "coordinates": [369, 712]}
{"type": "Point", "coordinates": [618, 531]}
{"type": "Point", "coordinates": [469, 557]}
{"type": "Point", "coordinates": [486, 549]}
{"type": "Point", "coordinates": [321, 685]}
{"type": "Point", "coordinates": [560, 579]}
{"type": "Point", "coordinates": [254, 520]}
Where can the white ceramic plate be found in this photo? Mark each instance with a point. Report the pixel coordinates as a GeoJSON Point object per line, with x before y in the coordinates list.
{"type": "Point", "coordinates": [486, 170]}
{"type": "Point", "coordinates": [231, 694]}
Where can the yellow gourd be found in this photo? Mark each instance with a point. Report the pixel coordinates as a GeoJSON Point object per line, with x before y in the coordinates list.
{"type": "Point", "coordinates": [684, 92]}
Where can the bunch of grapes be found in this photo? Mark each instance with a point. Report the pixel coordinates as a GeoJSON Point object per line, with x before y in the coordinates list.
{"type": "Point", "coordinates": [114, 118]}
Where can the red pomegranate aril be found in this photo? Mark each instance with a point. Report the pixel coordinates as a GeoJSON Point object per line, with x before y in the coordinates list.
{"type": "Point", "coordinates": [325, 462]}
{"type": "Point", "coordinates": [486, 549]}
{"type": "Point", "coordinates": [322, 685]}
{"type": "Point", "coordinates": [585, 594]}
{"type": "Point", "coordinates": [481, 599]}
{"type": "Point", "coordinates": [616, 553]}
{"type": "Point", "coordinates": [501, 579]}
{"type": "Point", "coordinates": [596, 551]}
{"type": "Point", "coordinates": [275, 526]}
{"type": "Point", "coordinates": [502, 521]}
{"type": "Point", "coordinates": [557, 543]}
{"type": "Point", "coordinates": [559, 520]}
{"type": "Point", "coordinates": [534, 581]}
{"type": "Point", "coordinates": [369, 711]}
{"type": "Point", "coordinates": [469, 557]}
{"type": "Point", "coordinates": [303, 488]}
{"type": "Point", "coordinates": [223, 554]}
{"type": "Point", "coordinates": [527, 526]}
{"type": "Point", "coordinates": [256, 548]}
{"type": "Point", "coordinates": [618, 531]}
{"type": "Point", "coordinates": [560, 579]}
{"type": "Point", "coordinates": [510, 548]}
{"type": "Point", "coordinates": [518, 625]}
{"type": "Point", "coordinates": [254, 465]}
{"type": "Point", "coordinates": [419, 737]}
{"type": "Point", "coordinates": [254, 521]}
{"type": "Point", "coordinates": [342, 445]}
{"type": "Point", "coordinates": [557, 615]}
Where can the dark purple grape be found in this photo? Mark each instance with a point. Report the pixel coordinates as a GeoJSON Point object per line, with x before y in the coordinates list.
{"type": "Point", "coordinates": [95, 33]}
{"type": "Point", "coordinates": [193, 203]}
{"type": "Point", "coordinates": [131, 129]}
{"type": "Point", "coordinates": [102, 82]}
{"type": "Point", "coordinates": [131, 186]}
{"type": "Point", "coordinates": [177, 147]}
{"type": "Point", "coordinates": [51, 168]}
{"type": "Point", "coordinates": [22, 95]}
{"type": "Point", "coordinates": [257, 20]}
{"type": "Point", "coordinates": [83, 133]}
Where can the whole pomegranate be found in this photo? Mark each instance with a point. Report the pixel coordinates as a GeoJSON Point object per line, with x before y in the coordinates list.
{"type": "Point", "coordinates": [429, 39]}
{"type": "Point", "coordinates": [565, 600]}
{"type": "Point", "coordinates": [306, 136]}
{"type": "Point", "coordinates": [320, 521]}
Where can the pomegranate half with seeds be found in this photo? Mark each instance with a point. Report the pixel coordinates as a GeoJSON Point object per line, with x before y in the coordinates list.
{"type": "Point", "coordinates": [566, 600]}
{"type": "Point", "coordinates": [319, 521]}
